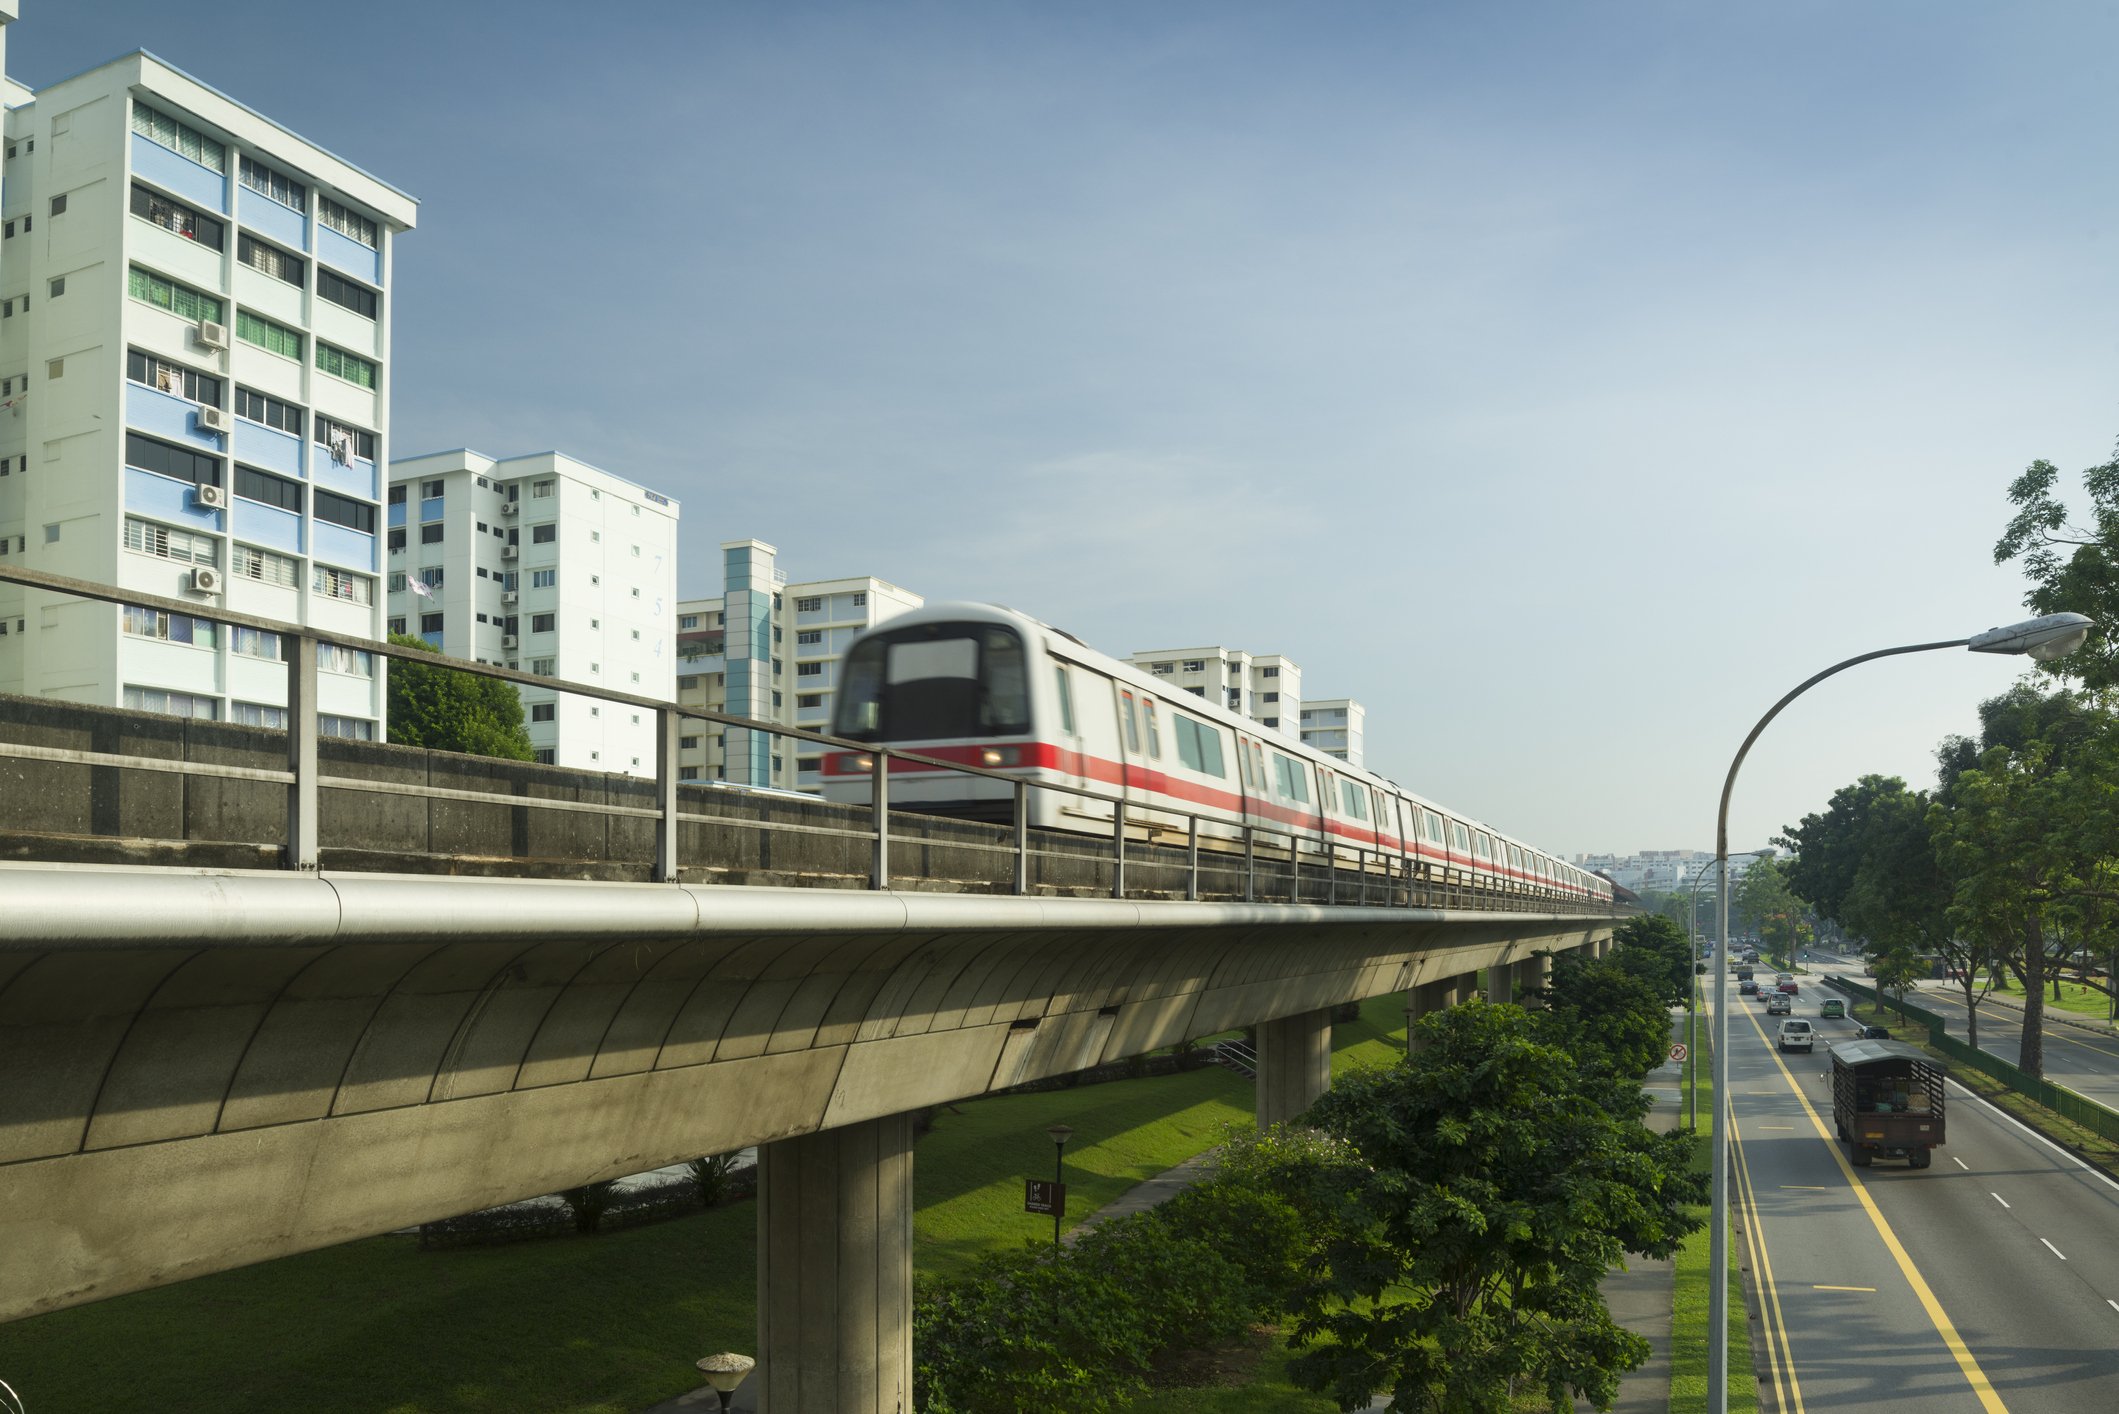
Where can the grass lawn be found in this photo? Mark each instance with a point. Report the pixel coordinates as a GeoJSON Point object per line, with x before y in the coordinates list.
{"type": "Point", "coordinates": [2074, 997]}
{"type": "Point", "coordinates": [1689, 1326]}
{"type": "Point", "coordinates": [604, 1325]}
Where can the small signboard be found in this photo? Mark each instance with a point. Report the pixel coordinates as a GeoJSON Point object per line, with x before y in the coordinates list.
{"type": "Point", "coordinates": [1042, 1195]}
{"type": "Point", "coordinates": [1678, 1051]}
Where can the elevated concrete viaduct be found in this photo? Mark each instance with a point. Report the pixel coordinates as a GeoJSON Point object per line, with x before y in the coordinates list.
{"type": "Point", "coordinates": [201, 1069]}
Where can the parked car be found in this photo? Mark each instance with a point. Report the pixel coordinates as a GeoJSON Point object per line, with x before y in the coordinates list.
{"type": "Point", "coordinates": [1780, 1004]}
{"type": "Point", "coordinates": [1873, 1033]}
{"type": "Point", "coordinates": [1796, 1035]}
{"type": "Point", "coordinates": [1832, 1006]}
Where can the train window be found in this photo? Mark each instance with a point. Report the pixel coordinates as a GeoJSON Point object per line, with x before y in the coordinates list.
{"type": "Point", "coordinates": [1132, 724]}
{"type": "Point", "coordinates": [935, 681]}
{"type": "Point", "coordinates": [1155, 740]}
{"type": "Point", "coordinates": [1066, 700]}
{"type": "Point", "coordinates": [1432, 823]}
{"type": "Point", "coordinates": [1243, 763]}
{"type": "Point", "coordinates": [1258, 766]}
{"type": "Point", "coordinates": [1460, 838]}
{"type": "Point", "coordinates": [1289, 776]}
{"type": "Point", "coordinates": [1352, 794]}
{"type": "Point", "coordinates": [1481, 846]}
{"type": "Point", "coordinates": [1198, 745]}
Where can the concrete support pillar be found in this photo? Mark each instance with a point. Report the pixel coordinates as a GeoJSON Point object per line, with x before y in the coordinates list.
{"type": "Point", "coordinates": [1500, 984]}
{"type": "Point", "coordinates": [835, 1270]}
{"type": "Point", "coordinates": [1427, 997]}
{"type": "Point", "coordinates": [1294, 1065]}
{"type": "Point", "coordinates": [1533, 974]}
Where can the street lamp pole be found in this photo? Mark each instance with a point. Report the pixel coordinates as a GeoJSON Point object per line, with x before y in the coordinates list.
{"type": "Point", "coordinates": [2046, 638]}
{"type": "Point", "coordinates": [1692, 1020]}
{"type": "Point", "coordinates": [1060, 1134]}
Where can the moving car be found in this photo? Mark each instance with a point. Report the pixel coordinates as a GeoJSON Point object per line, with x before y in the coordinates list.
{"type": "Point", "coordinates": [1873, 1033]}
{"type": "Point", "coordinates": [1780, 1004]}
{"type": "Point", "coordinates": [1796, 1035]}
{"type": "Point", "coordinates": [1832, 1006]}
{"type": "Point", "coordinates": [1788, 985]}
{"type": "Point", "coordinates": [1747, 988]}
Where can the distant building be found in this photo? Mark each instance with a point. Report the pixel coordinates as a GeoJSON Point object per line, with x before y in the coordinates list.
{"type": "Point", "coordinates": [769, 649]}
{"type": "Point", "coordinates": [1334, 725]}
{"type": "Point", "coordinates": [550, 566]}
{"type": "Point", "coordinates": [1664, 871]}
{"type": "Point", "coordinates": [195, 373]}
{"type": "Point", "coordinates": [1265, 687]}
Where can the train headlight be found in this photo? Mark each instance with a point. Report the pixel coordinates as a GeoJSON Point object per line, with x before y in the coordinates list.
{"type": "Point", "coordinates": [861, 763]}
{"type": "Point", "coordinates": [1000, 756]}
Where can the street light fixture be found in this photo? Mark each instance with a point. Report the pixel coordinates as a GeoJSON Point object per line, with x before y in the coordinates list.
{"type": "Point", "coordinates": [724, 1372]}
{"type": "Point", "coordinates": [1060, 1133]}
{"type": "Point", "coordinates": [2044, 639]}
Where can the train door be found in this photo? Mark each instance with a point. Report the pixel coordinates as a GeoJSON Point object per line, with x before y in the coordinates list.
{"type": "Point", "coordinates": [1070, 761]}
{"type": "Point", "coordinates": [1133, 767]}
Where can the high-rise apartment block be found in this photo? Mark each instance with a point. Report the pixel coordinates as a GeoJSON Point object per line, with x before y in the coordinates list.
{"type": "Point", "coordinates": [194, 394]}
{"type": "Point", "coordinates": [1334, 725]}
{"type": "Point", "coordinates": [1265, 687]}
{"type": "Point", "coordinates": [547, 565]}
{"type": "Point", "coordinates": [770, 650]}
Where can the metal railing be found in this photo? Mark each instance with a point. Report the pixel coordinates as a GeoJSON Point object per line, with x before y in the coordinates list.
{"type": "Point", "coordinates": [1379, 877]}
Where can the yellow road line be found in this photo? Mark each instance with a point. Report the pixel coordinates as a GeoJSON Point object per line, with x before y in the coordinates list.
{"type": "Point", "coordinates": [1822, 1287]}
{"type": "Point", "coordinates": [1787, 1393]}
{"type": "Point", "coordinates": [1976, 1377]}
{"type": "Point", "coordinates": [1808, 1187]}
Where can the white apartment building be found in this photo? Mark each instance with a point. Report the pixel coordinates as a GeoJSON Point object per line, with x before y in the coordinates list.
{"type": "Point", "coordinates": [1265, 687]}
{"type": "Point", "coordinates": [769, 649]}
{"type": "Point", "coordinates": [1334, 725]}
{"type": "Point", "coordinates": [194, 394]}
{"type": "Point", "coordinates": [547, 565]}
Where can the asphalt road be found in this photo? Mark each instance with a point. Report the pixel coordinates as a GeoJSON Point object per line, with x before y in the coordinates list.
{"type": "Point", "coordinates": [1987, 1282]}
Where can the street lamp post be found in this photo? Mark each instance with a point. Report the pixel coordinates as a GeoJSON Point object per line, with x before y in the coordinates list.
{"type": "Point", "coordinates": [1060, 1133]}
{"type": "Point", "coordinates": [2046, 638]}
{"type": "Point", "coordinates": [1692, 1019]}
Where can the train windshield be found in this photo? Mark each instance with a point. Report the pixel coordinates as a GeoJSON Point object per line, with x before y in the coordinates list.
{"type": "Point", "coordinates": [935, 682]}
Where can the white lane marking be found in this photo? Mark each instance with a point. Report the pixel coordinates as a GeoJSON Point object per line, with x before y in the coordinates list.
{"type": "Point", "coordinates": [1960, 1163]}
{"type": "Point", "coordinates": [1999, 1199]}
{"type": "Point", "coordinates": [2111, 1303]}
{"type": "Point", "coordinates": [2001, 1114]}
{"type": "Point", "coordinates": [2054, 1250]}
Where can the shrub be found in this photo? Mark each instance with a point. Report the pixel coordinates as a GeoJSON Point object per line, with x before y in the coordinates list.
{"type": "Point", "coordinates": [588, 1204]}
{"type": "Point", "coordinates": [710, 1177]}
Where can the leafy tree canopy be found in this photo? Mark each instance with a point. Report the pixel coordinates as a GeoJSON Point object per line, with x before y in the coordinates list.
{"type": "Point", "coordinates": [446, 710]}
{"type": "Point", "coordinates": [2071, 566]}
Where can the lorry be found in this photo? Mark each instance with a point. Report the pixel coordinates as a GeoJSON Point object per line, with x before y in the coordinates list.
{"type": "Point", "coordinates": [1887, 1102]}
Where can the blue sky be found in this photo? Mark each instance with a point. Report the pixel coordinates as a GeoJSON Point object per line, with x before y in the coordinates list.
{"type": "Point", "coordinates": [1564, 381]}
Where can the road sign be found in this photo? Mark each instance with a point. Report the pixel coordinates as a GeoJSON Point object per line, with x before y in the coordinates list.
{"type": "Point", "coordinates": [1678, 1051]}
{"type": "Point", "coordinates": [1042, 1195]}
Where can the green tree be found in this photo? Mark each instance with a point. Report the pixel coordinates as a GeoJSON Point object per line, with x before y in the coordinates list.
{"type": "Point", "coordinates": [1610, 1017]}
{"type": "Point", "coordinates": [1762, 899]}
{"type": "Point", "coordinates": [2071, 567]}
{"type": "Point", "coordinates": [1497, 1184]}
{"type": "Point", "coordinates": [446, 710]}
{"type": "Point", "coordinates": [1653, 948]}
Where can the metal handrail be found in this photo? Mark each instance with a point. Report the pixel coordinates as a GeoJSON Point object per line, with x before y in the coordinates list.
{"type": "Point", "coordinates": [305, 780]}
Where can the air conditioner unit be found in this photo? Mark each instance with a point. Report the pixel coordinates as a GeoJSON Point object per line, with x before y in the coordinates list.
{"type": "Point", "coordinates": [508, 508]}
{"type": "Point", "coordinates": [209, 335]}
{"type": "Point", "coordinates": [509, 552]}
{"type": "Point", "coordinates": [205, 579]}
{"type": "Point", "coordinates": [212, 498]}
{"type": "Point", "coordinates": [509, 640]}
{"type": "Point", "coordinates": [212, 419]}
{"type": "Point", "coordinates": [508, 596]}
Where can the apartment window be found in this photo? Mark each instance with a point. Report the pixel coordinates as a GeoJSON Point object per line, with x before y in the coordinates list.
{"type": "Point", "coordinates": [258, 714]}
{"type": "Point", "coordinates": [543, 711]}
{"type": "Point", "coordinates": [1269, 697]}
{"type": "Point", "coordinates": [180, 138]}
{"type": "Point", "coordinates": [55, 287]}
{"type": "Point", "coordinates": [344, 293]}
{"type": "Point", "coordinates": [809, 636]}
{"type": "Point", "coordinates": [167, 460]}
{"type": "Point", "coordinates": [683, 620]}
{"type": "Point", "coordinates": [808, 605]}
{"type": "Point", "coordinates": [59, 204]}
{"type": "Point", "coordinates": [397, 540]}
{"type": "Point", "coordinates": [542, 666]}
{"type": "Point", "coordinates": [166, 377]}
{"type": "Point", "coordinates": [1195, 665]}
{"type": "Point", "coordinates": [809, 700]}
{"type": "Point", "coordinates": [541, 623]}
{"type": "Point", "coordinates": [860, 600]}
{"type": "Point", "coordinates": [261, 407]}
{"type": "Point", "coordinates": [1162, 670]}
{"type": "Point", "coordinates": [255, 485]}
{"type": "Point", "coordinates": [809, 670]}
{"type": "Point", "coordinates": [1269, 672]}
{"type": "Point", "coordinates": [430, 623]}
{"type": "Point", "coordinates": [175, 216]}
{"type": "Point", "coordinates": [544, 534]}
{"type": "Point", "coordinates": [172, 704]}
{"type": "Point", "coordinates": [429, 490]}
{"type": "Point", "coordinates": [339, 437]}
{"type": "Point", "coordinates": [346, 728]}
{"type": "Point", "coordinates": [180, 300]}
{"type": "Point", "coordinates": [540, 490]}
{"type": "Point", "coordinates": [355, 662]}
{"type": "Point", "coordinates": [346, 221]}
{"type": "Point", "coordinates": [340, 364]}
{"type": "Point", "coordinates": [431, 576]}
{"type": "Point", "coordinates": [543, 579]}
{"type": "Point", "coordinates": [271, 337]}
{"type": "Point", "coordinates": [255, 643]}
{"type": "Point", "coordinates": [431, 533]}
{"type": "Point", "coordinates": [269, 259]}
{"type": "Point", "coordinates": [546, 756]}
{"type": "Point", "coordinates": [278, 185]}
{"type": "Point", "coordinates": [172, 628]}
{"type": "Point", "coordinates": [397, 625]}
{"type": "Point", "coordinates": [341, 584]}
{"type": "Point", "coordinates": [344, 510]}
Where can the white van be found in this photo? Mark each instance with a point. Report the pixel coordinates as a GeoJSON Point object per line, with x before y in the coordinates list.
{"type": "Point", "coordinates": [1796, 1035]}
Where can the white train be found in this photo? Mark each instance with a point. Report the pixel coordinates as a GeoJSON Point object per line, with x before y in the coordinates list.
{"type": "Point", "coordinates": [985, 686]}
